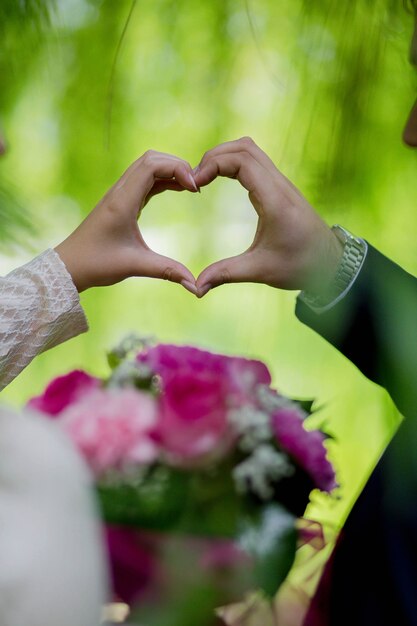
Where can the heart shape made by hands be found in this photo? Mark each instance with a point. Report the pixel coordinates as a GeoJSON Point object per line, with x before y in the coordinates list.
{"type": "Point", "coordinates": [291, 246]}
{"type": "Point", "coordinates": [229, 233]}
{"type": "Point", "coordinates": [228, 160]}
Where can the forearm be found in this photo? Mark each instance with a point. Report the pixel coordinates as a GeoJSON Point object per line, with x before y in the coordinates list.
{"type": "Point", "coordinates": [39, 309]}
{"type": "Point", "coordinates": [375, 326]}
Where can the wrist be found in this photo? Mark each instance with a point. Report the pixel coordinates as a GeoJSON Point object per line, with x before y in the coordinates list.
{"type": "Point", "coordinates": [324, 261]}
{"type": "Point", "coordinates": [344, 274]}
{"type": "Point", "coordinates": [71, 260]}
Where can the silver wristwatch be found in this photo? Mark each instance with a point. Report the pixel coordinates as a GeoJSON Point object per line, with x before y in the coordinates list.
{"type": "Point", "coordinates": [354, 253]}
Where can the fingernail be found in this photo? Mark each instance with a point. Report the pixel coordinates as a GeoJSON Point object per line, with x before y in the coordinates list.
{"type": "Point", "coordinates": [189, 286]}
{"type": "Point", "coordinates": [203, 290]}
{"type": "Point", "coordinates": [192, 181]}
{"type": "Point", "coordinates": [196, 170]}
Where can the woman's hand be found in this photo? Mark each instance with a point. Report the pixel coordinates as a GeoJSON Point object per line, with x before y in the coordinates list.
{"type": "Point", "coordinates": [108, 246]}
{"type": "Point", "coordinates": [293, 248]}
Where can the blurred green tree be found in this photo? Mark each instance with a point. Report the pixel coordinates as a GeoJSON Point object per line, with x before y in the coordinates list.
{"type": "Point", "coordinates": [86, 86]}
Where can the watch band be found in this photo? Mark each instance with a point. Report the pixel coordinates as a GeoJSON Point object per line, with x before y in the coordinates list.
{"type": "Point", "coordinates": [354, 253]}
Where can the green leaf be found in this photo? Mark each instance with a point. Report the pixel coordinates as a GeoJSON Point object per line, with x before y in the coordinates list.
{"type": "Point", "coordinates": [193, 605]}
{"type": "Point", "coordinates": [271, 538]}
{"type": "Point", "coordinates": [155, 503]}
{"type": "Point", "coordinates": [113, 360]}
{"type": "Point", "coordinates": [306, 405]}
{"type": "Point", "coordinates": [213, 507]}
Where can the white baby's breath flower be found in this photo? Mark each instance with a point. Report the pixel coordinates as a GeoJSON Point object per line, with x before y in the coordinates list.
{"type": "Point", "coordinates": [132, 343]}
{"type": "Point", "coordinates": [259, 472]}
{"type": "Point", "coordinates": [271, 401]}
{"type": "Point", "coordinates": [252, 425]}
{"type": "Point", "coordinates": [128, 474]}
{"type": "Point", "coordinates": [129, 373]}
{"type": "Point", "coordinates": [277, 522]}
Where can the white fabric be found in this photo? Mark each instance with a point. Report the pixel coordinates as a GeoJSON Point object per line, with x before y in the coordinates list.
{"type": "Point", "coordinates": [52, 567]}
{"type": "Point", "coordinates": [39, 308]}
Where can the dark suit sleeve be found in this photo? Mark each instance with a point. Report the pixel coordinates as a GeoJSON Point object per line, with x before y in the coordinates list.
{"type": "Point", "coordinates": [372, 578]}
{"type": "Point", "coordinates": [375, 327]}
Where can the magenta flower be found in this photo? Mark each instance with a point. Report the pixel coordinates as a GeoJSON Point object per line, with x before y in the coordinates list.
{"type": "Point", "coordinates": [113, 428]}
{"type": "Point", "coordinates": [242, 375]}
{"type": "Point", "coordinates": [305, 447]}
{"type": "Point", "coordinates": [133, 563]}
{"type": "Point", "coordinates": [198, 390]}
{"type": "Point", "coordinates": [63, 391]}
{"type": "Point", "coordinates": [224, 554]}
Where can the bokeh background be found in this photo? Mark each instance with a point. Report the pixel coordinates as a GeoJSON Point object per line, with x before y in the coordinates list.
{"type": "Point", "coordinates": [86, 86]}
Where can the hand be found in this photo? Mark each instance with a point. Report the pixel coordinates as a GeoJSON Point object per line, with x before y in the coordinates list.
{"type": "Point", "coordinates": [293, 247]}
{"type": "Point", "coordinates": [108, 246]}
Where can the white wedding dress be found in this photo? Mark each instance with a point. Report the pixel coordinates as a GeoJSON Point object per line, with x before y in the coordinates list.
{"type": "Point", "coordinates": [52, 565]}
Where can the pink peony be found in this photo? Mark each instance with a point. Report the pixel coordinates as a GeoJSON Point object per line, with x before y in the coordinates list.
{"type": "Point", "coordinates": [305, 447]}
{"type": "Point", "coordinates": [198, 390]}
{"type": "Point", "coordinates": [63, 391]}
{"type": "Point", "coordinates": [113, 428]}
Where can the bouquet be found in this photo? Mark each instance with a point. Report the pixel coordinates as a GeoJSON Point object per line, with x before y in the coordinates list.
{"type": "Point", "coordinates": [201, 470]}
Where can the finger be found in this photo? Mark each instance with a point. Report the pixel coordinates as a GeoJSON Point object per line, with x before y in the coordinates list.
{"type": "Point", "coordinates": [245, 144]}
{"type": "Point", "coordinates": [239, 165]}
{"type": "Point", "coordinates": [138, 181]}
{"type": "Point", "coordinates": [162, 185]}
{"type": "Point", "coordinates": [236, 269]}
{"type": "Point", "coordinates": [165, 184]}
{"type": "Point", "coordinates": [155, 265]}
{"type": "Point", "coordinates": [150, 153]}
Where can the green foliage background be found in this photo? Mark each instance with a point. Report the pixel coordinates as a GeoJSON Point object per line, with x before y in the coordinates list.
{"type": "Point", "coordinates": [323, 87]}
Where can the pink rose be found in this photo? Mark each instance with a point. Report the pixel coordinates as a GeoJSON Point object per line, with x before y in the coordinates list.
{"type": "Point", "coordinates": [193, 416]}
{"type": "Point", "coordinates": [242, 375]}
{"type": "Point", "coordinates": [305, 447]}
{"type": "Point", "coordinates": [113, 428]}
{"type": "Point", "coordinates": [63, 391]}
{"type": "Point", "coordinates": [198, 390]}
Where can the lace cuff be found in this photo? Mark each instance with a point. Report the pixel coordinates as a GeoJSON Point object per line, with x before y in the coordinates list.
{"type": "Point", "coordinates": [39, 308]}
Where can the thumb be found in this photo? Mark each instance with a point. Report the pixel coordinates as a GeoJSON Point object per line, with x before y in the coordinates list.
{"type": "Point", "coordinates": [236, 269]}
{"type": "Point", "coordinates": [158, 266]}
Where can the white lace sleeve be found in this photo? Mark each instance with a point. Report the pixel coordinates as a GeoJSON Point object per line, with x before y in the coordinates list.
{"type": "Point", "coordinates": [39, 308]}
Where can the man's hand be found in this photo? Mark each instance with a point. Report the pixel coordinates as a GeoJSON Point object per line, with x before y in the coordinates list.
{"type": "Point", "coordinates": [293, 248]}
